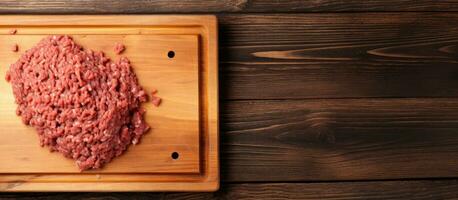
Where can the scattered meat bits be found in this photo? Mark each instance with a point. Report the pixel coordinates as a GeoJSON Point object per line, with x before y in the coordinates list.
{"type": "Point", "coordinates": [14, 48]}
{"type": "Point", "coordinates": [12, 31]}
{"type": "Point", "coordinates": [153, 91]}
{"type": "Point", "coordinates": [8, 77]}
{"type": "Point", "coordinates": [156, 100]}
{"type": "Point", "coordinates": [119, 48]}
{"type": "Point", "coordinates": [81, 103]}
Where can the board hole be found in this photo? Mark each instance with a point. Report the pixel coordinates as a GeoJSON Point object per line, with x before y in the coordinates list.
{"type": "Point", "coordinates": [171, 54]}
{"type": "Point", "coordinates": [175, 155]}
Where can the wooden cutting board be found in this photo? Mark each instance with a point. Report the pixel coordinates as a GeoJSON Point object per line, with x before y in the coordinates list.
{"type": "Point", "coordinates": [177, 55]}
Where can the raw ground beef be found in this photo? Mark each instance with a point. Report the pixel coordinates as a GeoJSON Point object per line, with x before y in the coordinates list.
{"type": "Point", "coordinates": [119, 48]}
{"type": "Point", "coordinates": [156, 100]}
{"type": "Point", "coordinates": [81, 103]}
{"type": "Point", "coordinates": [12, 31]}
{"type": "Point", "coordinates": [14, 48]}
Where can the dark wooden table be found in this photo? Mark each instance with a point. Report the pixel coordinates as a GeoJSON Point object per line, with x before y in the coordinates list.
{"type": "Point", "coordinates": [328, 99]}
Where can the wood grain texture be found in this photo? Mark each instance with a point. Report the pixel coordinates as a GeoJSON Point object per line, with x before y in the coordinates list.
{"type": "Point", "coordinates": [341, 139]}
{"type": "Point", "coordinates": [352, 55]}
{"type": "Point", "coordinates": [424, 189]}
{"type": "Point", "coordinates": [205, 6]}
{"type": "Point", "coordinates": [308, 56]}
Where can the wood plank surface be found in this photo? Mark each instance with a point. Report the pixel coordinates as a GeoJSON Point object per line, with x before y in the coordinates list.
{"type": "Point", "coordinates": [232, 6]}
{"type": "Point", "coordinates": [285, 83]}
{"type": "Point", "coordinates": [340, 139]}
{"type": "Point", "coordinates": [344, 55]}
{"type": "Point", "coordinates": [424, 189]}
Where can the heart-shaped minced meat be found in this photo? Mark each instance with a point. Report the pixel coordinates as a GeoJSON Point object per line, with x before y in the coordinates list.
{"type": "Point", "coordinates": [81, 103]}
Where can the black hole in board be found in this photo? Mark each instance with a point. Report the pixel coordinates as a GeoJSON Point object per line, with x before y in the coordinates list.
{"type": "Point", "coordinates": [171, 54]}
{"type": "Point", "coordinates": [175, 155]}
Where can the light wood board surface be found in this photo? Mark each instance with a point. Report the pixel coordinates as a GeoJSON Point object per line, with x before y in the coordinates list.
{"type": "Point", "coordinates": [185, 122]}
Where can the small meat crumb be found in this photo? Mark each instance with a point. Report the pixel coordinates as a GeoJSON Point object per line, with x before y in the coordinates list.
{"type": "Point", "coordinates": [12, 31]}
{"type": "Point", "coordinates": [8, 77]}
{"type": "Point", "coordinates": [153, 91]}
{"type": "Point", "coordinates": [119, 48]}
{"type": "Point", "coordinates": [14, 48]}
{"type": "Point", "coordinates": [156, 101]}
